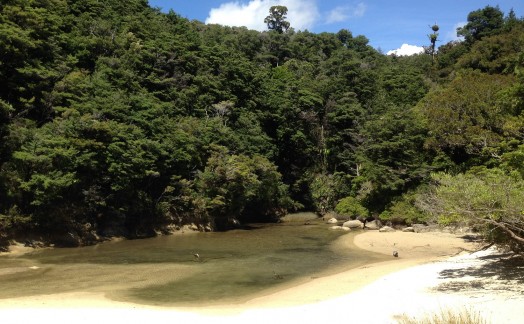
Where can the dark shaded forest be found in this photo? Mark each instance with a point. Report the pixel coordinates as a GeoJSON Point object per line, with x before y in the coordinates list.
{"type": "Point", "coordinates": [119, 120]}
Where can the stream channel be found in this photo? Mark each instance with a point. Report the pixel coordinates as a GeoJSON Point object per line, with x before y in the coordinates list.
{"type": "Point", "coordinates": [232, 266]}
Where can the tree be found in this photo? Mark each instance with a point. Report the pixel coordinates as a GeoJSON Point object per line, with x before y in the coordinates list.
{"type": "Point", "coordinates": [230, 184]}
{"type": "Point", "coordinates": [488, 200]}
{"type": "Point", "coordinates": [344, 36]}
{"type": "Point", "coordinates": [433, 39]}
{"type": "Point", "coordinates": [495, 54]}
{"type": "Point", "coordinates": [481, 23]}
{"type": "Point", "coordinates": [277, 19]}
{"type": "Point", "coordinates": [466, 117]}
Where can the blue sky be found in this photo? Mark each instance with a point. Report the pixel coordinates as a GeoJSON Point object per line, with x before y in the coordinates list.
{"type": "Point", "coordinates": [388, 24]}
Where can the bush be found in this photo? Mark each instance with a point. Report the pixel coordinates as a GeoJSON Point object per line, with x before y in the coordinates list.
{"type": "Point", "coordinates": [350, 206]}
{"type": "Point", "coordinates": [404, 211]}
{"type": "Point", "coordinates": [489, 200]}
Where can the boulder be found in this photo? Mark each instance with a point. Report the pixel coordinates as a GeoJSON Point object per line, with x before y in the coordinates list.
{"type": "Point", "coordinates": [353, 224]}
{"type": "Point", "coordinates": [408, 229]}
{"type": "Point", "coordinates": [386, 229]}
{"type": "Point", "coordinates": [332, 221]}
{"type": "Point", "coordinates": [340, 228]}
{"type": "Point", "coordinates": [373, 225]}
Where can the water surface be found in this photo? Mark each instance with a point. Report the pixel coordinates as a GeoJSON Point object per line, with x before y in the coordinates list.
{"type": "Point", "coordinates": [232, 266]}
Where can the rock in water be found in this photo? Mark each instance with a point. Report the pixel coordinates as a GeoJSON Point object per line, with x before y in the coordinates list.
{"type": "Point", "coordinates": [353, 224]}
{"type": "Point", "coordinates": [332, 221]}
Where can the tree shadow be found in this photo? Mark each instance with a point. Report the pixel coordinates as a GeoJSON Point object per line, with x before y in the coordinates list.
{"type": "Point", "coordinates": [501, 271]}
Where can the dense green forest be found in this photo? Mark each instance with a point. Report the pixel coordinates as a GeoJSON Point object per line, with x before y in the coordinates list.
{"type": "Point", "coordinates": [118, 119]}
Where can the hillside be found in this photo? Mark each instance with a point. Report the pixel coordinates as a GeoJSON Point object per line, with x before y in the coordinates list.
{"type": "Point", "coordinates": [118, 119]}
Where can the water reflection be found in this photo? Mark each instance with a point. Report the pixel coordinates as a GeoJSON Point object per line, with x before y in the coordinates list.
{"type": "Point", "coordinates": [232, 266]}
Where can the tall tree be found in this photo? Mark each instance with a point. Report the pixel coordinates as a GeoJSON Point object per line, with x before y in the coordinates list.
{"type": "Point", "coordinates": [433, 39]}
{"type": "Point", "coordinates": [481, 23]}
{"type": "Point", "coordinates": [277, 19]}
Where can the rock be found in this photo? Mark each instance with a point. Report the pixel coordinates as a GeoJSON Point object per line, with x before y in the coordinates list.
{"type": "Point", "coordinates": [353, 224]}
{"type": "Point", "coordinates": [340, 228]}
{"type": "Point", "coordinates": [332, 221]}
{"type": "Point", "coordinates": [421, 228]}
{"type": "Point", "coordinates": [373, 225]}
{"type": "Point", "coordinates": [186, 228]}
{"type": "Point", "coordinates": [408, 229]}
{"type": "Point", "coordinates": [386, 229]}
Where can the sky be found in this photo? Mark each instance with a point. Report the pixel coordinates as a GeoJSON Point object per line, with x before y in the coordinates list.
{"type": "Point", "coordinates": [390, 25]}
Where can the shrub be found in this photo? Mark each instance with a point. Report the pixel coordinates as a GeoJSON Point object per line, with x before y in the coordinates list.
{"type": "Point", "coordinates": [404, 211]}
{"type": "Point", "coordinates": [489, 200]}
{"type": "Point", "coordinates": [350, 206]}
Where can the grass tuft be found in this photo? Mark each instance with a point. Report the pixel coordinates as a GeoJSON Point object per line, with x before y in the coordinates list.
{"type": "Point", "coordinates": [445, 316]}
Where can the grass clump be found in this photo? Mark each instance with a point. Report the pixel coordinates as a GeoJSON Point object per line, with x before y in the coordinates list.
{"type": "Point", "coordinates": [445, 316]}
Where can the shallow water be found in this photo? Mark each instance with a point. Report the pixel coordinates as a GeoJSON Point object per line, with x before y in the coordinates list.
{"type": "Point", "coordinates": [232, 266]}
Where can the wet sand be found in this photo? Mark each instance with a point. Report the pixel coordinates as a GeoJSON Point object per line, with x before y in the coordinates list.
{"type": "Point", "coordinates": [373, 293]}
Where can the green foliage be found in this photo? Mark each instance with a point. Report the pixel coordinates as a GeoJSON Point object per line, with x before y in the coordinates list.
{"type": "Point", "coordinates": [514, 161]}
{"type": "Point", "coordinates": [350, 206]}
{"type": "Point", "coordinates": [326, 189]}
{"type": "Point", "coordinates": [277, 19]}
{"type": "Point", "coordinates": [467, 117]}
{"type": "Point", "coordinates": [495, 54]}
{"type": "Point", "coordinates": [488, 200]}
{"type": "Point", "coordinates": [230, 184]}
{"type": "Point", "coordinates": [122, 119]}
{"type": "Point", "coordinates": [482, 23]}
{"type": "Point", "coordinates": [404, 210]}
{"type": "Point", "coordinates": [391, 157]}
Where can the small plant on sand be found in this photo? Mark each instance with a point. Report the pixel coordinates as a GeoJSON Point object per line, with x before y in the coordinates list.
{"type": "Point", "coordinates": [445, 316]}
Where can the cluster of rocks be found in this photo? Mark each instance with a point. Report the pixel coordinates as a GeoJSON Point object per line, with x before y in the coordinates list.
{"type": "Point", "coordinates": [377, 225]}
{"type": "Point", "coordinates": [354, 224]}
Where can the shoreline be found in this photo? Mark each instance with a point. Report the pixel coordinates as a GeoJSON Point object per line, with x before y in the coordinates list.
{"type": "Point", "coordinates": [373, 293]}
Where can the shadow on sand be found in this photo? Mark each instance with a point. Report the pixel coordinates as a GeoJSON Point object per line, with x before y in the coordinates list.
{"type": "Point", "coordinates": [498, 271]}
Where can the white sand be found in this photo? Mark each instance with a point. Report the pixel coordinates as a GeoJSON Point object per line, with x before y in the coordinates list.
{"type": "Point", "coordinates": [376, 293]}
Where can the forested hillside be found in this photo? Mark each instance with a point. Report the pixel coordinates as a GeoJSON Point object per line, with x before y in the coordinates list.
{"type": "Point", "coordinates": [118, 119]}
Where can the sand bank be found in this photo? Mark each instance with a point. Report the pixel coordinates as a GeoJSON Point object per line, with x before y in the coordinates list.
{"type": "Point", "coordinates": [374, 293]}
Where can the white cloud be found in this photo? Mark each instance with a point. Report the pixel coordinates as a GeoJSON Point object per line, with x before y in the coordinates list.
{"type": "Point", "coordinates": [302, 14]}
{"type": "Point", "coordinates": [406, 50]}
{"type": "Point", "coordinates": [452, 34]}
{"type": "Point", "coordinates": [343, 13]}
{"type": "Point", "coordinates": [338, 14]}
{"type": "Point", "coordinates": [359, 10]}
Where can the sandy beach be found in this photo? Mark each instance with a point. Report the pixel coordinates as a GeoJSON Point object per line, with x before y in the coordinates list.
{"type": "Point", "coordinates": [434, 271]}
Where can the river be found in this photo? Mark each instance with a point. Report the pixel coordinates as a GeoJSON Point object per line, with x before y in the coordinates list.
{"type": "Point", "coordinates": [231, 267]}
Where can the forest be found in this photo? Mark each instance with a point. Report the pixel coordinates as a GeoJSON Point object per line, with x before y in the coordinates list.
{"type": "Point", "coordinates": [117, 119]}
